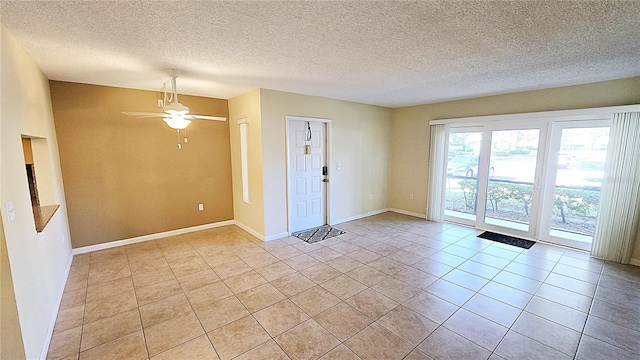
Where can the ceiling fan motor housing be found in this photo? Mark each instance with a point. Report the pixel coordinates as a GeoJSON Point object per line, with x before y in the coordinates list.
{"type": "Point", "coordinates": [176, 109]}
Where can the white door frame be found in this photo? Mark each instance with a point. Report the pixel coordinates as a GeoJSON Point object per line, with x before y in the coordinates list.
{"type": "Point", "coordinates": [545, 176]}
{"type": "Point", "coordinates": [483, 175]}
{"type": "Point", "coordinates": [555, 136]}
{"type": "Point", "coordinates": [453, 218]}
{"type": "Point", "coordinates": [327, 150]}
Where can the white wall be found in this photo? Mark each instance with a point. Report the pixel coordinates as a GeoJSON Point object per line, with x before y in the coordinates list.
{"type": "Point", "coordinates": [39, 262]}
{"type": "Point", "coordinates": [360, 143]}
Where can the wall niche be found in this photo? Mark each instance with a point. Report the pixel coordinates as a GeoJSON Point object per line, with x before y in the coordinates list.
{"type": "Point", "coordinates": [35, 150]}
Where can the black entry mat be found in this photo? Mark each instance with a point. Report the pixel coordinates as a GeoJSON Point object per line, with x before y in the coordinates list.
{"type": "Point", "coordinates": [506, 239]}
{"type": "Point", "coordinates": [318, 234]}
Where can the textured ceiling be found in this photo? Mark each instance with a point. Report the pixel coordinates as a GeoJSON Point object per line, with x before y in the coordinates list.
{"type": "Point", "coordinates": [385, 53]}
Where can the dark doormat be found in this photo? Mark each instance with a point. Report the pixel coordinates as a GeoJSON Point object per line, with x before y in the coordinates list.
{"type": "Point", "coordinates": [318, 234]}
{"type": "Point", "coordinates": [506, 239]}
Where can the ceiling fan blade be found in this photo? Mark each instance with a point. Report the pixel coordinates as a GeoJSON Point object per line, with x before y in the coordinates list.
{"type": "Point", "coordinates": [204, 117]}
{"type": "Point", "coordinates": [143, 114]}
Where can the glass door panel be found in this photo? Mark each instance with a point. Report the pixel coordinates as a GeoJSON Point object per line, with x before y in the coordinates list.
{"type": "Point", "coordinates": [575, 180]}
{"type": "Point", "coordinates": [462, 175]}
{"type": "Point", "coordinates": [511, 179]}
{"type": "Point", "coordinates": [538, 181]}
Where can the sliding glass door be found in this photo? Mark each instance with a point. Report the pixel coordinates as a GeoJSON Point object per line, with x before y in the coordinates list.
{"type": "Point", "coordinates": [513, 181]}
{"type": "Point", "coordinates": [463, 159]}
{"type": "Point", "coordinates": [491, 177]}
{"type": "Point", "coordinates": [578, 150]}
{"type": "Point", "coordinates": [539, 181]}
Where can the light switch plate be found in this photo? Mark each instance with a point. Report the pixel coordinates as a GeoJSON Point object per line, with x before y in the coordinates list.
{"type": "Point", "coordinates": [11, 212]}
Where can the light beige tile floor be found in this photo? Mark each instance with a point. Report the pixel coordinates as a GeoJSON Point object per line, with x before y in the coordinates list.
{"type": "Point", "coordinates": [392, 287]}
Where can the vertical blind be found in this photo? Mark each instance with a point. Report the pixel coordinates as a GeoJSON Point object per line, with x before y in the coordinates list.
{"type": "Point", "coordinates": [437, 172]}
{"type": "Point", "coordinates": [619, 213]}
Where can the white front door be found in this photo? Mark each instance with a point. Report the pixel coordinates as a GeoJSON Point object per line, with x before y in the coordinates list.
{"type": "Point", "coordinates": [307, 188]}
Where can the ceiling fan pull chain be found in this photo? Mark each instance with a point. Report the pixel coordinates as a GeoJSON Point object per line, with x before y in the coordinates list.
{"type": "Point", "coordinates": [179, 145]}
{"type": "Point", "coordinates": [185, 136]}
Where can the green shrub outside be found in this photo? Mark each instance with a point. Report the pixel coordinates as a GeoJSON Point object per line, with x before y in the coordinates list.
{"type": "Point", "coordinates": [582, 202]}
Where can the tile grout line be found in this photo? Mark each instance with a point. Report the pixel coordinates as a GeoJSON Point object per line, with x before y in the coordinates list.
{"type": "Point", "coordinates": [84, 312]}
{"type": "Point", "coordinates": [190, 304]}
{"type": "Point", "coordinates": [584, 326]}
{"type": "Point", "coordinates": [144, 336]}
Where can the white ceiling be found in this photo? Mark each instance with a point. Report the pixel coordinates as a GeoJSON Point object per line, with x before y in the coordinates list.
{"type": "Point", "coordinates": [385, 53]}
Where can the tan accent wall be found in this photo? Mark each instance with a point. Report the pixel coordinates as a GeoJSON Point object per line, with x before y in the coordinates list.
{"type": "Point", "coordinates": [410, 134]}
{"type": "Point", "coordinates": [359, 142]}
{"type": "Point", "coordinates": [39, 261]}
{"type": "Point", "coordinates": [125, 177]}
{"type": "Point", "coordinates": [28, 152]}
{"type": "Point", "coordinates": [11, 346]}
{"type": "Point", "coordinates": [250, 215]}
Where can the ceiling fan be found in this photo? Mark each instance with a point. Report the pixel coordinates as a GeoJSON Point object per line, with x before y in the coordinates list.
{"type": "Point", "coordinates": [175, 114]}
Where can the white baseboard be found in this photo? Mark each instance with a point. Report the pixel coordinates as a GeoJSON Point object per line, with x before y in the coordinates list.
{"type": "Point", "coordinates": [410, 213]}
{"type": "Point", "coordinates": [249, 230]}
{"type": "Point", "coordinates": [356, 217]}
{"type": "Point", "coordinates": [635, 262]}
{"type": "Point", "coordinates": [112, 244]}
{"type": "Point", "coordinates": [52, 323]}
{"type": "Point", "coordinates": [276, 236]}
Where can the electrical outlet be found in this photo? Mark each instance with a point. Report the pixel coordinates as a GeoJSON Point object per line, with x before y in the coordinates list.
{"type": "Point", "coordinates": [160, 103]}
{"type": "Point", "coordinates": [371, 197]}
{"type": "Point", "coordinates": [410, 196]}
{"type": "Point", "coordinates": [200, 207]}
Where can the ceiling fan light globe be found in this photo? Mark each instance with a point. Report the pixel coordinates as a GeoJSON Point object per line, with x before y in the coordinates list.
{"type": "Point", "coordinates": [176, 122]}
